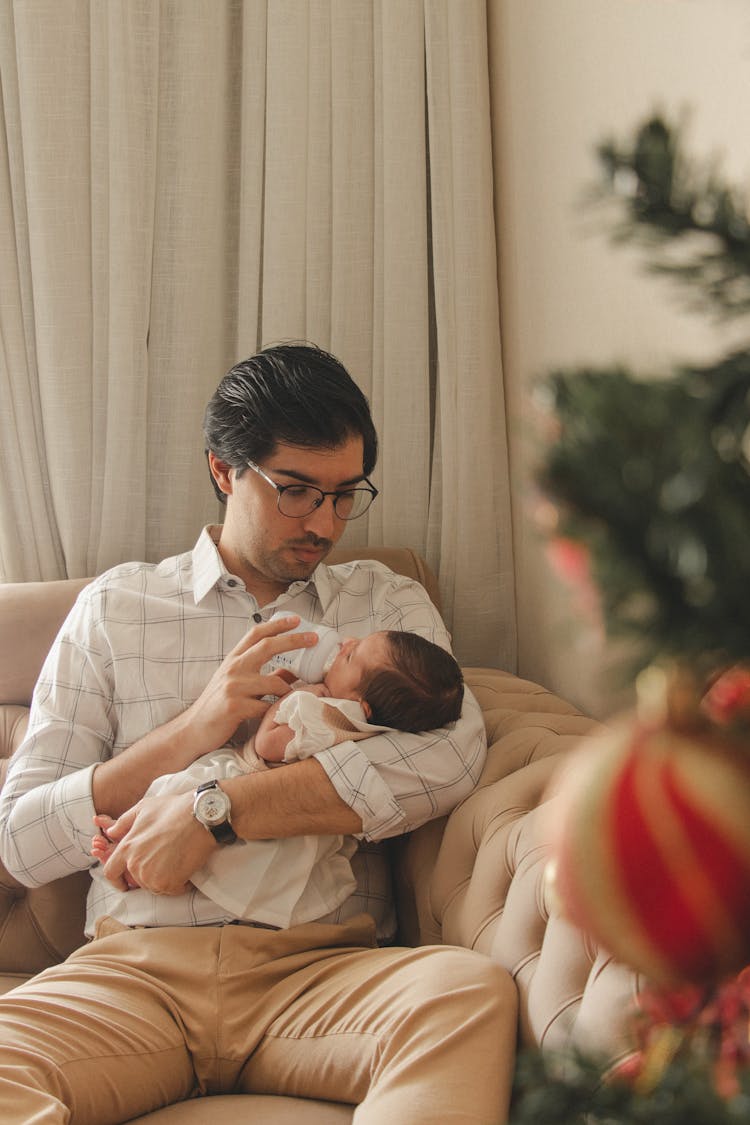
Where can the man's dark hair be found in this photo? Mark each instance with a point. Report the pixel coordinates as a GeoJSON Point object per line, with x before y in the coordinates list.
{"type": "Point", "coordinates": [292, 393]}
{"type": "Point", "coordinates": [422, 691]}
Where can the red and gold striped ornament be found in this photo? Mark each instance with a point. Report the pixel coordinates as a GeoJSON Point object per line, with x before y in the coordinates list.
{"type": "Point", "coordinates": [652, 850]}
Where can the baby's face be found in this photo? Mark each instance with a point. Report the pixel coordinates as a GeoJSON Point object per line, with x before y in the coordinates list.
{"type": "Point", "coordinates": [355, 658]}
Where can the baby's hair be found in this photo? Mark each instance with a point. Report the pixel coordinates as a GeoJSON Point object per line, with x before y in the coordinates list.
{"type": "Point", "coordinates": [422, 691]}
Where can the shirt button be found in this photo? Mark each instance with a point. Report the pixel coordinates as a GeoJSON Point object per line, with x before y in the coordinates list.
{"type": "Point", "coordinates": [257, 618]}
{"type": "Point", "coordinates": [232, 582]}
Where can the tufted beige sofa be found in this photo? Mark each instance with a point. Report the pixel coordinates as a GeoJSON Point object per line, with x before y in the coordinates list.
{"type": "Point", "coordinates": [475, 879]}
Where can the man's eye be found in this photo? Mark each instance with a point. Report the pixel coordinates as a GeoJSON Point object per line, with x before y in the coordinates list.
{"type": "Point", "coordinates": [297, 491]}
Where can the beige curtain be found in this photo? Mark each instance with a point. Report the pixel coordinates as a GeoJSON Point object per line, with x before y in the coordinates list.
{"type": "Point", "coordinates": [185, 181]}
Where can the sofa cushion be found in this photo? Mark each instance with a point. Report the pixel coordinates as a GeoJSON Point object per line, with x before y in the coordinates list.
{"type": "Point", "coordinates": [258, 1109]}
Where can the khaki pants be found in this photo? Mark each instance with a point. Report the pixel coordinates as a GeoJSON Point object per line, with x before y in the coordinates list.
{"type": "Point", "coordinates": [142, 1018]}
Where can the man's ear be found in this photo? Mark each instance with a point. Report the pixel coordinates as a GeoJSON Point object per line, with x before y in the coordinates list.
{"type": "Point", "coordinates": [220, 471]}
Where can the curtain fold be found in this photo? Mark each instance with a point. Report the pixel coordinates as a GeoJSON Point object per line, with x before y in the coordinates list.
{"type": "Point", "coordinates": [30, 539]}
{"type": "Point", "coordinates": [123, 50]}
{"type": "Point", "coordinates": [183, 182]}
{"type": "Point", "coordinates": [470, 536]}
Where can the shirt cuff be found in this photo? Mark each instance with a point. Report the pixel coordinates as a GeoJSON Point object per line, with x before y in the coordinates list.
{"type": "Point", "coordinates": [359, 784]}
{"type": "Point", "coordinates": [75, 800]}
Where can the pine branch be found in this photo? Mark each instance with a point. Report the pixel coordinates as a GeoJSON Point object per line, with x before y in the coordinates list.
{"type": "Point", "coordinates": [574, 1091]}
{"type": "Point", "coordinates": [671, 203]}
{"type": "Point", "coordinates": [653, 475]}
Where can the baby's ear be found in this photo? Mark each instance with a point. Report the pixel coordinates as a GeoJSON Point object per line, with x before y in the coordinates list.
{"type": "Point", "coordinates": [366, 708]}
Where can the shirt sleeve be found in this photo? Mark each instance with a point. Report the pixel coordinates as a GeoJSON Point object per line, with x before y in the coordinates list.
{"type": "Point", "coordinates": [397, 781]}
{"type": "Point", "coordinates": [46, 804]}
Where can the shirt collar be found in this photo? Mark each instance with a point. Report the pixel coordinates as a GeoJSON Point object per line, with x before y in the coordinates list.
{"type": "Point", "coordinates": [209, 570]}
{"type": "Point", "coordinates": [320, 580]}
{"type": "Point", "coordinates": [208, 565]}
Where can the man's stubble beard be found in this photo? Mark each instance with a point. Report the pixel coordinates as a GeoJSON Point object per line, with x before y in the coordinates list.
{"type": "Point", "coordinates": [276, 566]}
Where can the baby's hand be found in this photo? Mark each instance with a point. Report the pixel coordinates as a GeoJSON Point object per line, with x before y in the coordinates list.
{"type": "Point", "coordinates": [314, 689]}
{"type": "Point", "coordinates": [102, 847]}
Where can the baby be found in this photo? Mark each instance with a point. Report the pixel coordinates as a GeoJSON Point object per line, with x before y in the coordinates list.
{"type": "Point", "coordinates": [387, 680]}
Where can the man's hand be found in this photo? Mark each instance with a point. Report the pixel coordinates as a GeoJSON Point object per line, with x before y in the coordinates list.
{"type": "Point", "coordinates": [235, 692]}
{"type": "Point", "coordinates": [159, 845]}
{"type": "Point", "coordinates": [233, 696]}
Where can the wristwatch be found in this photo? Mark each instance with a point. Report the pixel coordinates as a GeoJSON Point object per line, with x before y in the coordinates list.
{"type": "Point", "coordinates": [212, 808]}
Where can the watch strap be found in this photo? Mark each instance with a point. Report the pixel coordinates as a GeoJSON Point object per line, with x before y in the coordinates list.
{"type": "Point", "coordinates": [223, 833]}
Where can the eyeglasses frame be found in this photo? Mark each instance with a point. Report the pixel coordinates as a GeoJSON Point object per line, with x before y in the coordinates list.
{"type": "Point", "coordinates": [282, 488]}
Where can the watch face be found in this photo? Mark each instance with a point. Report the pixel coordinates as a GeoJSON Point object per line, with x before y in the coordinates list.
{"type": "Point", "coordinates": [212, 806]}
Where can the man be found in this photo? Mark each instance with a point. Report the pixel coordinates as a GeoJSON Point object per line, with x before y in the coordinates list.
{"type": "Point", "coordinates": [156, 666]}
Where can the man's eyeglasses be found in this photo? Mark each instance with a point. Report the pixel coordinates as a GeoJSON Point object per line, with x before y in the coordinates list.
{"type": "Point", "coordinates": [296, 500]}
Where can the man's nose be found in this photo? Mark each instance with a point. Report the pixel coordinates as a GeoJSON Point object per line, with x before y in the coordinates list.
{"type": "Point", "coordinates": [323, 521]}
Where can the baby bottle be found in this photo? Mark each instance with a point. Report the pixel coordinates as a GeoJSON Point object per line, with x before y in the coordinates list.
{"type": "Point", "coordinates": [309, 664]}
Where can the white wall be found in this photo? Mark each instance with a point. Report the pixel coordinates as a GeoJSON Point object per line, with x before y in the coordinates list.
{"type": "Point", "coordinates": [567, 74]}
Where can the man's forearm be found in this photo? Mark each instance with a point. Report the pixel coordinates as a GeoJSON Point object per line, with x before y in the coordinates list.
{"type": "Point", "coordinates": [297, 800]}
{"type": "Point", "coordinates": [162, 845]}
{"type": "Point", "coordinates": [120, 782]}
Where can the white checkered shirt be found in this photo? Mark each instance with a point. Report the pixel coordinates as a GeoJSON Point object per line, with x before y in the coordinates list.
{"type": "Point", "coordinates": [138, 648]}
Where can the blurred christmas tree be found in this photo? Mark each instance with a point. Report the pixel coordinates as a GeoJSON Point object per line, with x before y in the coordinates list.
{"type": "Point", "coordinates": [649, 484]}
{"type": "Point", "coordinates": [691, 1068]}
{"type": "Point", "coordinates": [652, 475]}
